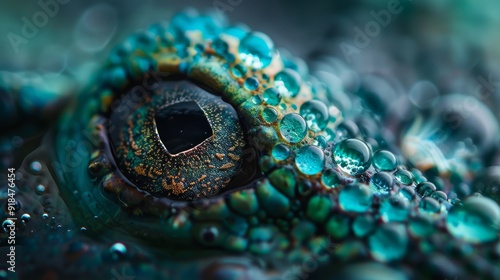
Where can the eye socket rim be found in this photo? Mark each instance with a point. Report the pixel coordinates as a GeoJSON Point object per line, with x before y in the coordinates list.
{"type": "Point", "coordinates": [221, 134]}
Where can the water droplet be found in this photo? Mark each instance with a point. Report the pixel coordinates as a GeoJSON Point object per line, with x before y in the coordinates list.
{"type": "Point", "coordinates": [293, 128]}
{"type": "Point", "coordinates": [355, 198]}
{"type": "Point", "coordinates": [269, 114]}
{"type": "Point", "coordinates": [429, 205]}
{"type": "Point", "coordinates": [363, 225]}
{"type": "Point", "coordinates": [83, 229]}
{"type": "Point", "coordinates": [404, 177]}
{"type": "Point", "coordinates": [239, 70]}
{"type": "Point", "coordinates": [331, 178]}
{"type": "Point", "coordinates": [395, 209]}
{"type": "Point", "coordinates": [256, 99]}
{"type": "Point", "coordinates": [281, 152]}
{"type": "Point", "coordinates": [476, 221]}
{"type": "Point", "coordinates": [352, 156]}
{"type": "Point", "coordinates": [384, 160]}
{"type": "Point", "coordinates": [45, 216]}
{"type": "Point", "coordinates": [407, 192]}
{"type": "Point", "coordinates": [381, 183]}
{"type": "Point", "coordinates": [7, 224]}
{"type": "Point", "coordinates": [220, 46]}
{"type": "Point", "coordinates": [40, 189]}
{"type": "Point", "coordinates": [272, 96]}
{"type": "Point", "coordinates": [287, 82]}
{"type": "Point", "coordinates": [25, 218]}
{"type": "Point", "coordinates": [316, 114]}
{"type": "Point", "coordinates": [439, 196]}
{"type": "Point", "coordinates": [320, 141]}
{"type": "Point", "coordinates": [118, 249]}
{"type": "Point", "coordinates": [36, 167]}
{"type": "Point", "coordinates": [488, 183]}
{"type": "Point", "coordinates": [389, 242]}
{"type": "Point", "coordinates": [256, 50]}
{"type": "Point", "coordinates": [421, 225]}
{"type": "Point", "coordinates": [425, 188]}
{"type": "Point", "coordinates": [251, 83]}
{"type": "Point", "coordinates": [424, 94]}
{"type": "Point", "coordinates": [310, 160]}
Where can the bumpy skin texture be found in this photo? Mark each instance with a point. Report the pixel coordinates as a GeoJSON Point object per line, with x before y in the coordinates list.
{"type": "Point", "coordinates": [270, 194]}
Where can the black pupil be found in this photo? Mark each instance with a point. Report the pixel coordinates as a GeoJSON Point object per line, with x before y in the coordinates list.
{"type": "Point", "coordinates": [182, 126]}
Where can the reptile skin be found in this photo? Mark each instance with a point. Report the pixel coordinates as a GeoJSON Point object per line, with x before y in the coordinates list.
{"type": "Point", "coordinates": [198, 151]}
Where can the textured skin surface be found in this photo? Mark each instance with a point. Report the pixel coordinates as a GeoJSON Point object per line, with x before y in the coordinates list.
{"type": "Point", "coordinates": [277, 220]}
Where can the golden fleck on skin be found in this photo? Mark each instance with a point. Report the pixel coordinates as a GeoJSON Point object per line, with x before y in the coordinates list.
{"type": "Point", "coordinates": [234, 157]}
{"type": "Point", "coordinates": [219, 156]}
{"type": "Point", "coordinates": [227, 166]}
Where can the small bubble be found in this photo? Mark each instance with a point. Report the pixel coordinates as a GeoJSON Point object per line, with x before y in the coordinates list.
{"type": "Point", "coordinates": [36, 167]}
{"type": "Point", "coordinates": [40, 189]}
{"type": "Point", "coordinates": [25, 218]}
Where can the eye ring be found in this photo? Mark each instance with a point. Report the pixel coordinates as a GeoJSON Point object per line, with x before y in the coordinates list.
{"type": "Point", "coordinates": [200, 171]}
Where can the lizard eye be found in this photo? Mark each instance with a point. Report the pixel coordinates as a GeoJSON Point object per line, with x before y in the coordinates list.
{"type": "Point", "coordinates": [178, 141]}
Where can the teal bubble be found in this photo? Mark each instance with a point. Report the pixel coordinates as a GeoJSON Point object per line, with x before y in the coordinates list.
{"type": "Point", "coordinates": [320, 141]}
{"type": "Point", "coordinates": [429, 205]}
{"type": "Point", "coordinates": [439, 196]}
{"type": "Point", "coordinates": [272, 201]}
{"type": "Point", "coordinates": [316, 114]}
{"type": "Point", "coordinates": [331, 178]}
{"type": "Point", "coordinates": [25, 217]}
{"type": "Point", "coordinates": [381, 183]}
{"type": "Point", "coordinates": [425, 188]}
{"type": "Point", "coordinates": [251, 83]}
{"type": "Point", "coordinates": [389, 242]}
{"type": "Point", "coordinates": [407, 192]}
{"type": "Point", "coordinates": [261, 240]}
{"type": "Point", "coordinates": [421, 225]}
{"type": "Point", "coordinates": [352, 156]}
{"type": "Point", "coordinates": [384, 160]}
{"type": "Point", "coordinates": [363, 225]}
{"type": "Point", "coordinates": [118, 248]}
{"type": "Point", "coordinates": [256, 50]}
{"type": "Point", "coordinates": [244, 202]}
{"type": "Point", "coordinates": [355, 198]}
{"type": "Point", "coordinates": [293, 128]}
{"type": "Point", "coordinates": [220, 46]}
{"type": "Point", "coordinates": [404, 177]}
{"type": "Point", "coordinates": [256, 99]}
{"type": "Point", "coordinates": [7, 224]}
{"type": "Point", "coordinates": [269, 115]}
{"type": "Point", "coordinates": [280, 152]}
{"type": "Point", "coordinates": [310, 160]}
{"type": "Point", "coordinates": [476, 221]}
{"type": "Point", "coordinates": [239, 70]}
{"type": "Point", "coordinates": [318, 208]}
{"type": "Point", "coordinates": [272, 96]}
{"type": "Point", "coordinates": [395, 209]}
{"type": "Point", "coordinates": [39, 189]}
{"type": "Point", "coordinates": [338, 226]}
{"type": "Point", "coordinates": [287, 82]}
